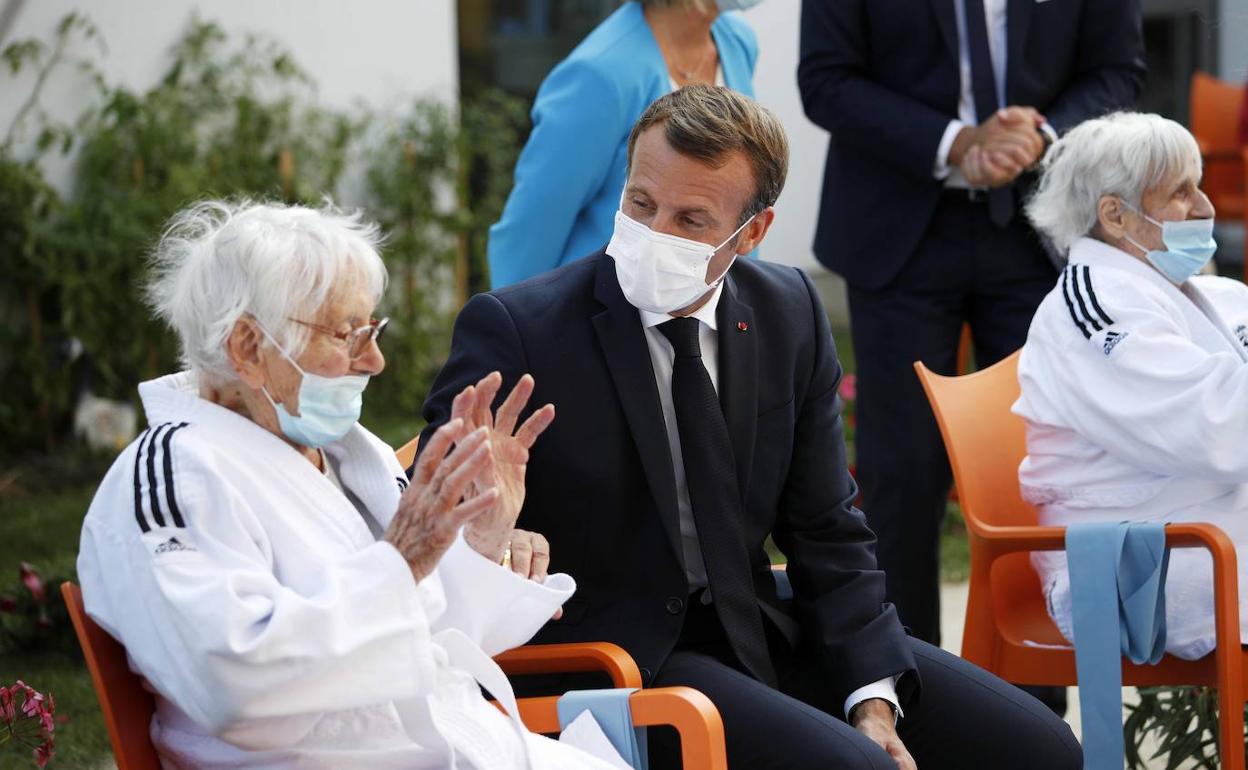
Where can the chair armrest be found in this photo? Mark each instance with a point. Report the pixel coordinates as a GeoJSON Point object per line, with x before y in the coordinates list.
{"type": "Point", "coordinates": [1000, 541]}
{"type": "Point", "coordinates": [689, 711]}
{"type": "Point", "coordinates": [570, 658]}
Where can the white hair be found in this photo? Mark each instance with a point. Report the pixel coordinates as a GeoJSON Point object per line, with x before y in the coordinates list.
{"type": "Point", "coordinates": [218, 261]}
{"type": "Point", "coordinates": [1123, 154]}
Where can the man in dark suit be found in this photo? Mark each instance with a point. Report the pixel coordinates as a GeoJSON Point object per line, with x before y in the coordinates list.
{"type": "Point", "coordinates": [697, 415]}
{"type": "Point", "coordinates": [938, 110]}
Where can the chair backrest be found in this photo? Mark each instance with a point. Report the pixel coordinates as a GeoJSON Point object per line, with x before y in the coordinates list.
{"type": "Point", "coordinates": [1215, 109]}
{"type": "Point", "coordinates": [406, 454]}
{"type": "Point", "coordinates": [1214, 112]}
{"type": "Point", "coordinates": [127, 706]}
{"type": "Point", "coordinates": [985, 441]}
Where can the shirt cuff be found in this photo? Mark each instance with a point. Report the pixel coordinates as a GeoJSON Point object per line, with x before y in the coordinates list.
{"type": "Point", "coordinates": [940, 169]}
{"type": "Point", "coordinates": [1050, 132]}
{"type": "Point", "coordinates": [884, 689]}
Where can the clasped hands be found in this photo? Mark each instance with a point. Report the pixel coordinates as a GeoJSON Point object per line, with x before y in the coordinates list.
{"type": "Point", "coordinates": [995, 152]}
{"type": "Point", "coordinates": [471, 475]}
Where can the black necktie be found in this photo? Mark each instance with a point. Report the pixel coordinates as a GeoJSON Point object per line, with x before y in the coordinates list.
{"type": "Point", "coordinates": [710, 474]}
{"type": "Point", "coordinates": [984, 91]}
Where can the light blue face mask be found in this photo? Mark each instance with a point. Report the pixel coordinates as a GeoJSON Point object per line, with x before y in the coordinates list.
{"type": "Point", "coordinates": [328, 406]}
{"type": "Point", "coordinates": [1189, 246]}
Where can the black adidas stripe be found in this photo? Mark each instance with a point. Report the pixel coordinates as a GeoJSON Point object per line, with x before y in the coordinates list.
{"type": "Point", "coordinates": [1070, 305]}
{"type": "Point", "coordinates": [145, 466]}
{"type": "Point", "coordinates": [1087, 282]}
{"type": "Point", "coordinates": [170, 498]}
{"type": "Point", "coordinates": [138, 492]}
{"type": "Point", "coordinates": [1074, 283]}
{"type": "Point", "coordinates": [157, 516]}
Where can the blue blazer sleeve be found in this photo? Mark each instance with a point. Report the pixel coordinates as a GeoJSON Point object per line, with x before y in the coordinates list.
{"type": "Point", "coordinates": [578, 118]}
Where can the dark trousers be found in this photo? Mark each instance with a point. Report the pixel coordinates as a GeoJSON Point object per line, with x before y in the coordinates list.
{"type": "Point", "coordinates": [965, 718]}
{"type": "Point", "coordinates": [965, 270]}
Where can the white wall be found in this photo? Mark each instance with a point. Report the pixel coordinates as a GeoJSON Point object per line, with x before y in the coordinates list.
{"type": "Point", "coordinates": [775, 86]}
{"type": "Point", "coordinates": [1233, 39]}
{"type": "Point", "coordinates": [364, 50]}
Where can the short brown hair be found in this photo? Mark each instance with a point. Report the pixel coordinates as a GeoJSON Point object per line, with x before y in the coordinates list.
{"type": "Point", "coordinates": [710, 122]}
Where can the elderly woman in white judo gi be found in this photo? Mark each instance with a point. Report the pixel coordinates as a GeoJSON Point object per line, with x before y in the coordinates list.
{"type": "Point", "coordinates": [290, 599]}
{"type": "Point", "coordinates": [1135, 372]}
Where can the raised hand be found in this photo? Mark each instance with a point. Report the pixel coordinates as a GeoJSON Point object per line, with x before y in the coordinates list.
{"type": "Point", "coordinates": [490, 532]}
{"type": "Point", "coordinates": [433, 508]}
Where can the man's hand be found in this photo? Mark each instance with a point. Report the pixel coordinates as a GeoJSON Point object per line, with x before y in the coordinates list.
{"type": "Point", "coordinates": [530, 558]}
{"type": "Point", "coordinates": [995, 152]}
{"type": "Point", "coordinates": [874, 719]}
{"type": "Point", "coordinates": [430, 511]}
{"type": "Point", "coordinates": [490, 532]}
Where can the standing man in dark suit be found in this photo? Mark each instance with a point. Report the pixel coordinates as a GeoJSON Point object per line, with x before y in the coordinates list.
{"type": "Point", "coordinates": [697, 414]}
{"type": "Point", "coordinates": [937, 110]}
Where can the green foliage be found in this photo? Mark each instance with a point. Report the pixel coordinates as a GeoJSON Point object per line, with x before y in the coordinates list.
{"type": "Point", "coordinates": [226, 120]}
{"type": "Point", "coordinates": [1184, 721]}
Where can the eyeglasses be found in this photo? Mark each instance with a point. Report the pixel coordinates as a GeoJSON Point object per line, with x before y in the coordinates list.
{"type": "Point", "coordinates": [357, 339]}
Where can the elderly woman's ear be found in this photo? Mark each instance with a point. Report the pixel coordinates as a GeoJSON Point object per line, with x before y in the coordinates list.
{"type": "Point", "coordinates": [243, 349]}
{"type": "Point", "coordinates": [1110, 217]}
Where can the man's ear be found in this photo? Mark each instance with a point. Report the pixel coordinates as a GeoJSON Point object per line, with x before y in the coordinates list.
{"type": "Point", "coordinates": [243, 349]}
{"type": "Point", "coordinates": [1111, 216]}
{"type": "Point", "coordinates": [756, 230]}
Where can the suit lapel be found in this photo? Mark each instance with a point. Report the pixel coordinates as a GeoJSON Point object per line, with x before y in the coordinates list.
{"type": "Point", "coordinates": [946, 18]}
{"type": "Point", "coordinates": [738, 377]}
{"type": "Point", "coordinates": [623, 343]}
{"type": "Point", "coordinates": [1017, 20]}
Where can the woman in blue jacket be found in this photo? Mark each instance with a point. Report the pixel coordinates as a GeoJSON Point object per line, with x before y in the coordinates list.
{"type": "Point", "coordinates": [570, 175]}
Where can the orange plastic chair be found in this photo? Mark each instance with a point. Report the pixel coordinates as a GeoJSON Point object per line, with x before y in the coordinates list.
{"type": "Point", "coordinates": [1005, 606]}
{"type": "Point", "coordinates": [128, 706]}
{"type": "Point", "coordinates": [1214, 108]}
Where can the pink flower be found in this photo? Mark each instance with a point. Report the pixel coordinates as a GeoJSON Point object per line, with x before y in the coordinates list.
{"type": "Point", "coordinates": [30, 724]}
{"type": "Point", "coordinates": [30, 578]}
{"type": "Point", "coordinates": [849, 387]}
{"type": "Point", "coordinates": [43, 754]}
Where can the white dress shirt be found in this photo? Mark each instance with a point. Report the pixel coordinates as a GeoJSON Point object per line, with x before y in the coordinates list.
{"type": "Point", "coordinates": [661, 356]}
{"type": "Point", "coordinates": [995, 15]}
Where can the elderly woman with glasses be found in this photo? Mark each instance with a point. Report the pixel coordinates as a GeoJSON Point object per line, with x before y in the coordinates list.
{"type": "Point", "coordinates": [288, 595]}
{"type": "Point", "coordinates": [1135, 372]}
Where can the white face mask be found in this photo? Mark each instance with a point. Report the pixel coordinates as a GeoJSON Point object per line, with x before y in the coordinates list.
{"type": "Point", "coordinates": [658, 272]}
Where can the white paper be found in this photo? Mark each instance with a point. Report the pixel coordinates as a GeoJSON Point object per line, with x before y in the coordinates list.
{"type": "Point", "coordinates": [586, 734]}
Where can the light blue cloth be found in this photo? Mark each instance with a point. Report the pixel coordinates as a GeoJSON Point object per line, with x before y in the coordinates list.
{"type": "Point", "coordinates": [570, 175]}
{"type": "Point", "coordinates": [1117, 581]}
{"type": "Point", "coordinates": [611, 710]}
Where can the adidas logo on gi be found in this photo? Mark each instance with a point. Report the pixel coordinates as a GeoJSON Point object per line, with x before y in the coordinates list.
{"type": "Point", "coordinates": [1112, 339]}
{"type": "Point", "coordinates": [173, 544]}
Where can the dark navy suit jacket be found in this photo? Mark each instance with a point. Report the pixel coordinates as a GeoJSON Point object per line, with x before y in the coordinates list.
{"type": "Point", "coordinates": [600, 480]}
{"type": "Point", "coordinates": [882, 77]}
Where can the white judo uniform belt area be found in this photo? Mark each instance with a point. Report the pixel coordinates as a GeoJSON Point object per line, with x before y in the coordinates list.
{"type": "Point", "coordinates": [275, 630]}
{"type": "Point", "coordinates": [1136, 396]}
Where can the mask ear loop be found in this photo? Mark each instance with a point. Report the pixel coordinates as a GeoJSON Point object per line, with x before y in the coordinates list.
{"type": "Point", "coordinates": [264, 389]}
{"type": "Point", "coordinates": [724, 274]}
{"type": "Point", "coordinates": [1140, 213]}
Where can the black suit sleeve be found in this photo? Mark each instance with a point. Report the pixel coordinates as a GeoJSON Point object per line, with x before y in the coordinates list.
{"type": "Point", "coordinates": [1109, 70]}
{"type": "Point", "coordinates": [838, 590]}
{"type": "Point", "coordinates": [485, 339]}
{"type": "Point", "coordinates": [840, 95]}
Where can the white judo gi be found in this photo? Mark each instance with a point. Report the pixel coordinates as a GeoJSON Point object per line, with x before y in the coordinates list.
{"type": "Point", "coordinates": [1135, 393]}
{"type": "Point", "coordinates": [275, 629]}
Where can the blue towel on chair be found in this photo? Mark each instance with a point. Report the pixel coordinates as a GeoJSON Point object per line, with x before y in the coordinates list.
{"type": "Point", "coordinates": [1117, 588]}
{"type": "Point", "coordinates": [611, 711]}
